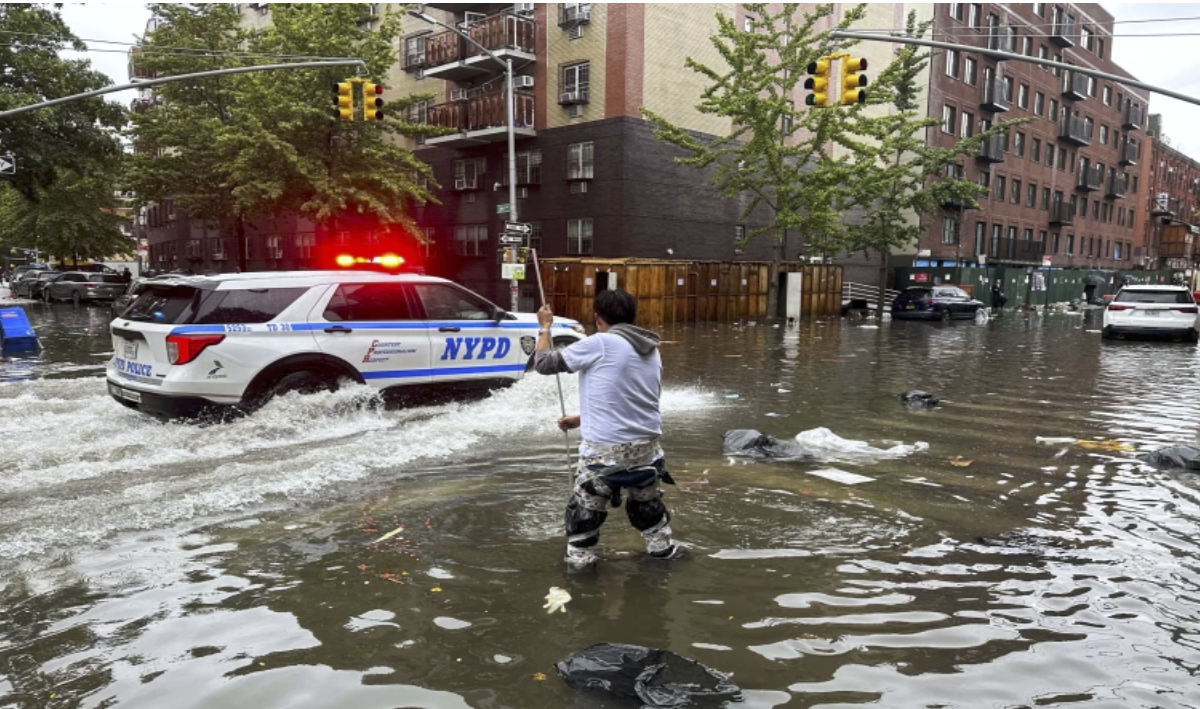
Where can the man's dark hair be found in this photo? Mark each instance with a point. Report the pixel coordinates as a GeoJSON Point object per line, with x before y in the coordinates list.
{"type": "Point", "coordinates": [616, 307]}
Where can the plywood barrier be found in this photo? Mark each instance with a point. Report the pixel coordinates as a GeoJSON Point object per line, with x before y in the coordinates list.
{"type": "Point", "coordinates": [682, 292]}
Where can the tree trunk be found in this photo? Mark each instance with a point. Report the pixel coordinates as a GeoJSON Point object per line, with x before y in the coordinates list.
{"type": "Point", "coordinates": [239, 240]}
{"type": "Point", "coordinates": [881, 301]}
{"type": "Point", "coordinates": [773, 280]}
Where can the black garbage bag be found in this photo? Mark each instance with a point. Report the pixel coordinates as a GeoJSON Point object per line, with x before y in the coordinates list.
{"type": "Point", "coordinates": [647, 677]}
{"type": "Point", "coordinates": [919, 400]}
{"type": "Point", "coordinates": [1178, 457]}
{"type": "Point", "coordinates": [755, 444]}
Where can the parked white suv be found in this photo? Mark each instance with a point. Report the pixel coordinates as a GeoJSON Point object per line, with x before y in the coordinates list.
{"type": "Point", "coordinates": [1164, 311]}
{"type": "Point", "coordinates": [195, 345]}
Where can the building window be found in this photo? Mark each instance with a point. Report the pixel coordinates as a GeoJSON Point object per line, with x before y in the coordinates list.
{"type": "Point", "coordinates": [748, 24]}
{"type": "Point", "coordinates": [1001, 189]}
{"type": "Point", "coordinates": [1043, 53]}
{"type": "Point", "coordinates": [980, 235]}
{"type": "Point", "coordinates": [1055, 70]}
{"type": "Point", "coordinates": [426, 240]}
{"type": "Point", "coordinates": [575, 81]}
{"type": "Point", "coordinates": [1049, 154]}
{"type": "Point", "coordinates": [1052, 116]}
{"type": "Point", "coordinates": [1085, 38]}
{"type": "Point", "coordinates": [970, 68]}
{"type": "Point", "coordinates": [1039, 9]}
{"type": "Point", "coordinates": [579, 237]}
{"type": "Point", "coordinates": [1016, 192]}
{"type": "Point", "coordinates": [1035, 150]}
{"type": "Point", "coordinates": [1062, 160]}
{"type": "Point", "coordinates": [985, 179]}
{"type": "Point", "coordinates": [965, 124]}
{"type": "Point", "coordinates": [957, 10]}
{"type": "Point", "coordinates": [1023, 96]}
{"type": "Point", "coordinates": [1019, 144]}
{"type": "Point", "coordinates": [579, 161]}
{"type": "Point", "coordinates": [1070, 244]}
{"type": "Point", "coordinates": [470, 240]}
{"type": "Point", "coordinates": [952, 65]}
{"type": "Point", "coordinates": [1046, 198]}
{"type": "Point", "coordinates": [1083, 205]}
{"type": "Point", "coordinates": [1103, 134]}
{"type": "Point", "coordinates": [468, 173]}
{"type": "Point", "coordinates": [1031, 196]}
{"type": "Point", "coordinates": [974, 13]}
{"type": "Point", "coordinates": [1091, 86]}
{"type": "Point", "coordinates": [1039, 103]}
{"type": "Point", "coordinates": [1107, 95]}
{"type": "Point", "coordinates": [1095, 210]}
{"type": "Point", "coordinates": [949, 230]}
{"type": "Point", "coordinates": [1100, 47]}
{"type": "Point", "coordinates": [535, 236]}
{"type": "Point", "coordinates": [1028, 51]}
{"type": "Point", "coordinates": [1028, 235]}
{"type": "Point", "coordinates": [948, 120]}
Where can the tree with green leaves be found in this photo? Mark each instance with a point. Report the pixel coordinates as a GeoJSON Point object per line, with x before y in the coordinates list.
{"type": "Point", "coordinates": [235, 148]}
{"type": "Point", "coordinates": [786, 159]}
{"type": "Point", "coordinates": [61, 198]}
{"type": "Point", "coordinates": [905, 177]}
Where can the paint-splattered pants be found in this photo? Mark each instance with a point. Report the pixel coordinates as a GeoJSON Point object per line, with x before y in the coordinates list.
{"type": "Point", "coordinates": [605, 472]}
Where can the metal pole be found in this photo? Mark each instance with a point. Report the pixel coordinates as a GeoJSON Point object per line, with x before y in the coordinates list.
{"type": "Point", "coordinates": [182, 77]}
{"type": "Point", "coordinates": [869, 37]}
{"type": "Point", "coordinates": [512, 168]}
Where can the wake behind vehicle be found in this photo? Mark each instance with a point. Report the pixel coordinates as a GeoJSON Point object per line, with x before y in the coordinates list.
{"type": "Point", "coordinates": [942, 303]}
{"type": "Point", "coordinates": [1152, 311]}
{"type": "Point", "coordinates": [80, 286]}
{"type": "Point", "coordinates": [206, 344]}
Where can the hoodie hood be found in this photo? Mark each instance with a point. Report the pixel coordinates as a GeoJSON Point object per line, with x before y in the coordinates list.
{"type": "Point", "coordinates": [644, 342]}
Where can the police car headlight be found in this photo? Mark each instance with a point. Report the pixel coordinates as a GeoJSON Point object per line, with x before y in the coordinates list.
{"type": "Point", "coordinates": [577, 328]}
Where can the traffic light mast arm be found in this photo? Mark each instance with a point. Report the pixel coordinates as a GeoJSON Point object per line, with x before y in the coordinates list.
{"type": "Point", "coordinates": [893, 39]}
{"type": "Point", "coordinates": [183, 77]}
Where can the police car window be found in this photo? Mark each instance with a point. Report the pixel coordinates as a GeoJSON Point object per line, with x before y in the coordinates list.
{"type": "Point", "coordinates": [443, 302]}
{"type": "Point", "coordinates": [164, 304]}
{"type": "Point", "coordinates": [368, 302]}
{"type": "Point", "coordinates": [254, 305]}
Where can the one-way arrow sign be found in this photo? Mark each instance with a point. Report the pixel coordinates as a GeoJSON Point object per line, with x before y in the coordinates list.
{"type": "Point", "coordinates": [518, 227]}
{"type": "Point", "coordinates": [8, 164]}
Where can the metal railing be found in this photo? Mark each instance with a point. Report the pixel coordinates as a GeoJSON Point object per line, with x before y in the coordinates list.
{"type": "Point", "coordinates": [992, 149]}
{"type": "Point", "coordinates": [482, 112]}
{"type": "Point", "coordinates": [496, 32]}
{"type": "Point", "coordinates": [1075, 129]}
{"type": "Point", "coordinates": [1075, 85]}
{"type": "Point", "coordinates": [869, 293]}
{"type": "Point", "coordinates": [995, 95]}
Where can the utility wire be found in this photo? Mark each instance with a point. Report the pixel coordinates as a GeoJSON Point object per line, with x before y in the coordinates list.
{"type": "Point", "coordinates": [168, 51]}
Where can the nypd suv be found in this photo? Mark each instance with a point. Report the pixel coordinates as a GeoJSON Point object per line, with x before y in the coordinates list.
{"type": "Point", "coordinates": [195, 345]}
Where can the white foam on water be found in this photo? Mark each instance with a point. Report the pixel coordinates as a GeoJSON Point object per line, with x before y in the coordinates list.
{"type": "Point", "coordinates": [78, 466]}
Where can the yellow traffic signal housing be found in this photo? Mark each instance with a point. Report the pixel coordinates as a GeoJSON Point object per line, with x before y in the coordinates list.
{"type": "Point", "coordinates": [853, 82]}
{"type": "Point", "coordinates": [372, 102]}
{"type": "Point", "coordinates": [343, 101]}
{"type": "Point", "coordinates": [818, 83]}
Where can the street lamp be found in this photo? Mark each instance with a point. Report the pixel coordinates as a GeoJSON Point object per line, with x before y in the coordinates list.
{"type": "Point", "coordinates": [512, 138]}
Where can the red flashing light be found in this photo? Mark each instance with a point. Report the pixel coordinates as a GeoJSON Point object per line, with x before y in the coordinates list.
{"type": "Point", "coordinates": [182, 349]}
{"type": "Point", "coordinates": [345, 260]}
{"type": "Point", "coordinates": [384, 261]}
{"type": "Point", "coordinates": [379, 89]}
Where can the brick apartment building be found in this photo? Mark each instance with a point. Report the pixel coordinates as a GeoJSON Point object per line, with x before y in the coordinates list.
{"type": "Point", "coordinates": [1062, 189]}
{"type": "Point", "coordinates": [1169, 202]}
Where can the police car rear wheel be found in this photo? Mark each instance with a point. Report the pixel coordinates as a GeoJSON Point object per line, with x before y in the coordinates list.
{"type": "Point", "coordinates": [303, 382]}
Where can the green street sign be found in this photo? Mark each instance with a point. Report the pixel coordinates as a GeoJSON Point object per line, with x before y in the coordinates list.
{"type": "Point", "coordinates": [503, 208]}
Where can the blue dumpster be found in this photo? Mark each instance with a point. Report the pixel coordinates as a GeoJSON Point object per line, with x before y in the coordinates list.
{"type": "Point", "coordinates": [15, 331]}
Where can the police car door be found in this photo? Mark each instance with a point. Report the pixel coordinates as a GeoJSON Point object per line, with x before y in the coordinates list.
{"type": "Point", "coordinates": [372, 327]}
{"type": "Point", "coordinates": [465, 340]}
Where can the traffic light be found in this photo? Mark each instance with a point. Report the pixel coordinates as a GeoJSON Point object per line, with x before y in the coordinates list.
{"type": "Point", "coordinates": [343, 101]}
{"type": "Point", "coordinates": [372, 102]}
{"type": "Point", "coordinates": [818, 83]}
{"type": "Point", "coordinates": [852, 81]}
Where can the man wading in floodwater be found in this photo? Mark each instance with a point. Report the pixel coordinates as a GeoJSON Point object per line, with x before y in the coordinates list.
{"type": "Point", "coordinates": [620, 382]}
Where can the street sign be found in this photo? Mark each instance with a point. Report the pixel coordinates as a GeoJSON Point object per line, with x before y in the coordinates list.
{"type": "Point", "coordinates": [1047, 260]}
{"type": "Point", "coordinates": [8, 164]}
{"type": "Point", "coordinates": [518, 227]}
{"type": "Point", "coordinates": [512, 271]}
{"type": "Point", "coordinates": [511, 238]}
{"type": "Point", "coordinates": [503, 208]}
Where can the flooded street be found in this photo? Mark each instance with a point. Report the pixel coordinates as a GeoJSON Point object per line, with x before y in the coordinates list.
{"type": "Point", "coordinates": [149, 565]}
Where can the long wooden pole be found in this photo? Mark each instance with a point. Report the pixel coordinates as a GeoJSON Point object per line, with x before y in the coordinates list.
{"type": "Point", "coordinates": [562, 402]}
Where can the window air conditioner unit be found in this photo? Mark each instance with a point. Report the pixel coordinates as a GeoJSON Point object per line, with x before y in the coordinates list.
{"type": "Point", "coordinates": [462, 182]}
{"type": "Point", "coordinates": [523, 8]}
{"type": "Point", "coordinates": [276, 253]}
{"type": "Point", "coordinates": [569, 97]}
{"type": "Point", "coordinates": [523, 82]}
{"type": "Point", "coordinates": [472, 18]}
{"type": "Point", "coordinates": [218, 256]}
{"type": "Point", "coordinates": [458, 94]}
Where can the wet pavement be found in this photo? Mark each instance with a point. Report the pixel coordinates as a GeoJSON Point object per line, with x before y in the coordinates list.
{"type": "Point", "coordinates": [145, 564]}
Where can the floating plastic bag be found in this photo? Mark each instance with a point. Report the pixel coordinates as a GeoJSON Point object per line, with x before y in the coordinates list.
{"type": "Point", "coordinates": [755, 444]}
{"type": "Point", "coordinates": [826, 445]}
{"type": "Point", "coordinates": [919, 400]}
{"type": "Point", "coordinates": [557, 600]}
{"type": "Point", "coordinates": [656, 678]}
{"type": "Point", "coordinates": [1182, 456]}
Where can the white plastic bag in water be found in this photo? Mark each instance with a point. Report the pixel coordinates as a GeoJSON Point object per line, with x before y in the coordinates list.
{"type": "Point", "coordinates": [828, 446]}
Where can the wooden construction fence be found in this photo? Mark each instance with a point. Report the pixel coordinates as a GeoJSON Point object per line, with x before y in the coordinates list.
{"type": "Point", "coordinates": [683, 292]}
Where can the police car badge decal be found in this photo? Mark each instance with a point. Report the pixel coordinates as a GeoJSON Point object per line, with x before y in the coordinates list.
{"type": "Point", "coordinates": [528, 343]}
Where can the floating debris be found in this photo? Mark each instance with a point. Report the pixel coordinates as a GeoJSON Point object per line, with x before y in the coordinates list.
{"type": "Point", "coordinates": [1054, 441]}
{"type": "Point", "coordinates": [1105, 446]}
{"type": "Point", "coordinates": [959, 462]}
{"type": "Point", "coordinates": [389, 535]}
{"type": "Point", "coordinates": [557, 600]}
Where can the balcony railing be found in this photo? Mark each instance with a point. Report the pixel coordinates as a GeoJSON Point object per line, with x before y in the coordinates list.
{"type": "Point", "coordinates": [1002, 39]}
{"type": "Point", "coordinates": [1166, 206]}
{"type": "Point", "coordinates": [1006, 249]}
{"type": "Point", "coordinates": [503, 31]}
{"type": "Point", "coordinates": [1117, 186]}
{"type": "Point", "coordinates": [1062, 213]}
{"type": "Point", "coordinates": [1075, 130]}
{"type": "Point", "coordinates": [482, 112]}
{"type": "Point", "coordinates": [1090, 179]}
{"type": "Point", "coordinates": [995, 95]}
{"type": "Point", "coordinates": [1128, 153]}
{"type": "Point", "coordinates": [1064, 31]}
{"type": "Point", "coordinates": [1132, 117]}
{"type": "Point", "coordinates": [992, 149]}
{"type": "Point", "coordinates": [1075, 86]}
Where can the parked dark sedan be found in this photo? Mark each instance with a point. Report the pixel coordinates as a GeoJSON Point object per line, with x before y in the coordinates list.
{"type": "Point", "coordinates": [32, 282]}
{"type": "Point", "coordinates": [934, 303]}
{"type": "Point", "coordinates": [79, 286]}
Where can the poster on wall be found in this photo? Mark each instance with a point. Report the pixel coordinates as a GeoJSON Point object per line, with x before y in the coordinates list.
{"type": "Point", "coordinates": [920, 277]}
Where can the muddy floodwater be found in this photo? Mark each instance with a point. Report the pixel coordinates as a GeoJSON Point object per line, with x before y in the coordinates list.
{"type": "Point", "coordinates": [151, 565]}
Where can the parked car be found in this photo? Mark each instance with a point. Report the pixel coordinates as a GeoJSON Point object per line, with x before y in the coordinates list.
{"type": "Point", "coordinates": [31, 283]}
{"type": "Point", "coordinates": [1162, 311]}
{"type": "Point", "coordinates": [78, 286]}
{"type": "Point", "coordinates": [934, 303]}
{"type": "Point", "coordinates": [21, 284]}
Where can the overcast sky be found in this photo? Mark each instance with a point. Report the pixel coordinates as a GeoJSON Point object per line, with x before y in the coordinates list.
{"type": "Point", "coordinates": [1163, 61]}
